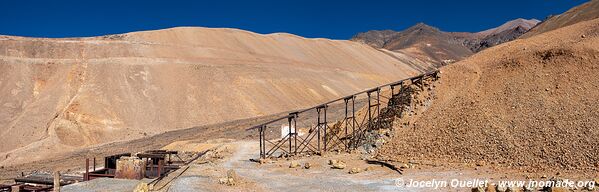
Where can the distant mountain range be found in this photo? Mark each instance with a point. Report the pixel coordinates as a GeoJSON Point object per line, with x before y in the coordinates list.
{"type": "Point", "coordinates": [438, 47]}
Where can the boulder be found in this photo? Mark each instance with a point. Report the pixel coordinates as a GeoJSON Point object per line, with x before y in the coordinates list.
{"type": "Point", "coordinates": [355, 170]}
{"type": "Point", "coordinates": [307, 166]}
{"type": "Point", "coordinates": [333, 161]}
{"type": "Point", "coordinates": [294, 164]}
{"type": "Point", "coordinates": [339, 165]}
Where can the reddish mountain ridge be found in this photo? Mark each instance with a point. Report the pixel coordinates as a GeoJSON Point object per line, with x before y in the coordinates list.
{"type": "Point", "coordinates": [438, 47]}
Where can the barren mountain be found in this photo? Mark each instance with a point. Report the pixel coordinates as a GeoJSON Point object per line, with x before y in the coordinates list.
{"type": "Point", "coordinates": [530, 103]}
{"type": "Point", "coordinates": [525, 24]}
{"type": "Point", "coordinates": [423, 41]}
{"type": "Point", "coordinates": [435, 46]}
{"type": "Point", "coordinates": [63, 94]}
{"type": "Point", "coordinates": [584, 12]}
{"type": "Point", "coordinates": [504, 33]}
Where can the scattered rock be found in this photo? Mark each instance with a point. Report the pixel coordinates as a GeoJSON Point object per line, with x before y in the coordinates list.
{"type": "Point", "coordinates": [224, 181]}
{"type": "Point", "coordinates": [529, 188]}
{"type": "Point", "coordinates": [265, 161]}
{"type": "Point", "coordinates": [404, 166]}
{"type": "Point", "coordinates": [501, 188]}
{"type": "Point", "coordinates": [355, 170]}
{"type": "Point", "coordinates": [294, 164]}
{"type": "Point", "coordinates": [141, 187]}
{"type": "Point", "coordinates": [339, 165]}
{"type": "Point", "coordinates": [590, 186]}
{"type": "Point", "coordinates": [513, 189]}
{"type": "Point", "coordinates": [480, 163]}
{"type": "Point", "coordinates": [232, 174]}
{"type": "Point", "coordinates": [478, 189]}
{"type": "Point", "coordinates": [333, 161]}
{"type": "Point", "coordinates": [583, 36]}
{"type": "Point", "coordinates": [558, 189]}
{"type": "Point", "coordinates": [491, 188]}
{"type": "Point", "coordinates": [307, 165]}
{"type": "Point", "coordinates": [230, 180]}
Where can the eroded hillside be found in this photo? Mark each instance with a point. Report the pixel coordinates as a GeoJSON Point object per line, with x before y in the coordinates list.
{"type": "Point", "coordinates": [530, 103]}
{"type": "Point", "coordinates": [64, 94]}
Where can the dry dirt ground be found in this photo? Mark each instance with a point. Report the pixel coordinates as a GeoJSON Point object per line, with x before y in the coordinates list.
{"type": "Point", "coordinates": [231, 159]}
{"type": "Point", "coordinates": [74, 162]}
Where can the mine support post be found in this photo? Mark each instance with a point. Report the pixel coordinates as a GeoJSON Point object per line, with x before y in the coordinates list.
{"type": "Point", "coordinates": [295, 130]}
{"type": "Point", "coordinates": [353, 113]}
{"type": "Point", "coordinates": [292, 132]}
{"type": "Point", "coordinates": [160, 162]}
{"type": "Point", "coordinates": [378, 107]}
{"type": "Point", "coordinates": [86, 176]}
{"type": "Point", "coordinates": [369, 113]}
{"type": "Point", "coordinates": [56, 184]}
{"type": "Point", "coordinates": [319, 126]}
{"type": "Point", "coordinates": [349, 118]}
{"type": "Point", "coordinates": [261, 133]}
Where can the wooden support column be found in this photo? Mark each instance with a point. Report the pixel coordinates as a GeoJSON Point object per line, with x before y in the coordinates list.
{"type": "Point", "coordinates": [56, 181]}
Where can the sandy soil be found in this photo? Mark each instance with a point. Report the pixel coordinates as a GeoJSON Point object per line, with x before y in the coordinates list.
{"type": "Point", "coordinates": [62, 95]}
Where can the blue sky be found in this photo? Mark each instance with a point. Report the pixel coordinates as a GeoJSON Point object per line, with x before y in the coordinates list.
{"type": "Point", "coordinates": [327, 19]}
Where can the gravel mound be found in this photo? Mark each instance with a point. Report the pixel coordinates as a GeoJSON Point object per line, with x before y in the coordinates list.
{"type": "Point", "coordinates": [531, 103]}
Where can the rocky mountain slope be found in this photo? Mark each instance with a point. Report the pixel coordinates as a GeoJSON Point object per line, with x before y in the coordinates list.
{"type": "Point", "coordinates": [65, 94]}
{"type": "Point", "coordinates": [438, 47]}
{"type": "Point", "coordinates": [530, 103]}
{"type": "Point", "coordinates": [423, 41]}
{"type": "Point", "coordinates": [584, 12]}
{"type": "Point", "coordinates": [504, 33]}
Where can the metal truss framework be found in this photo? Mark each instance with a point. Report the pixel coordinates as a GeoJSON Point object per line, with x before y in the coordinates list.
{"type": "Point", "coordinates": [346, 133]}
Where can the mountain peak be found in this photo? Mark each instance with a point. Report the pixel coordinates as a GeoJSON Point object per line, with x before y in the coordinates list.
{"type": "Point", "coordinates": [519, 22]}
{"type": "Point", "coordinates": [422, 26]}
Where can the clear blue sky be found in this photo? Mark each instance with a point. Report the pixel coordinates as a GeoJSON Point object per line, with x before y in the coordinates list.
{"type": "Point", "coordinates": [328, 19]}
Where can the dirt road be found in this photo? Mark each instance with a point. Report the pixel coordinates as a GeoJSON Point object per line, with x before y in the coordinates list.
{"type": "Point", "coordinates": [277, 176]}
